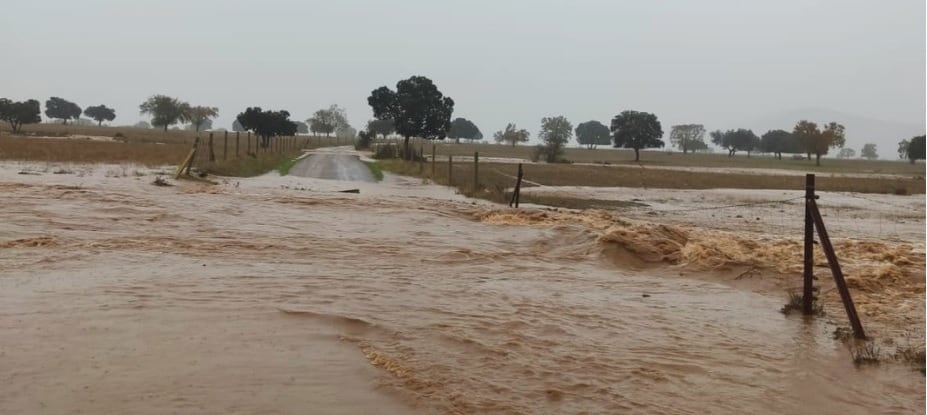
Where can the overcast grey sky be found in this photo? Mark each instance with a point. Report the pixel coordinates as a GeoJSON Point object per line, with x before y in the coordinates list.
{"type": "Point", "coordinates": [722, 63]}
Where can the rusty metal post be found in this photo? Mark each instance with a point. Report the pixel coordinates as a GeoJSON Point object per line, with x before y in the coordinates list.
{"type": "Point", "coordinates": [808, 291]}
{"type": "Point", "coordinates": [838, 273]}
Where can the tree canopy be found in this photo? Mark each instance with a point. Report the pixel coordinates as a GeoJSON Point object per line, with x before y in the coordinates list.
{"type": "Point", "coordinates": [818, 141]}
{"type": "Point", "coordinates": [555, 133]}
{"type": "Point", "coordinates": [733, 141]}
{"type": "Point", "coordinates": [903, 149]}
{"type": "Point", "coordinates": [198, 117]}
{"type": "Point", "coordinates": [205, 125]}
{"type": "Point", "coordinates": [869, 151]}
{"type": "Point", "coordinates": [916, 150]}
{"type": "Point", "coordinates": [301, 127]}
{"type": "Point", "coordinates": [381, 127]}
{"type": "Point", "coordinates": [511, 134]}
{"type": "Point", "coordinates": [846, 153]}
{"type": "Point", "coordinates": [329, 120]}
{"type": "Point", "coordinates": [100, 113]}
{"type": "Point", "coordinates": [778, 142]}
{"type": "Point", "coordinates": [165, 111]}
{"type": "Point", "coordinates": [465, 129]}
{"type": "Point", "coordinates": [637, 130]}
{"type": "Point", "coordinates": [687, 136]}
{"type": "Point", "coordinates": [18, 113]}
{"type": "Point", "coordinates": [266, 124]}
{"type": "Point", "coordinates": [62, 109]}
{"type": "Point", "coordinates": [142, 124]}
{"type": "Point", "coordinates": [593, 133]}
{"type": "Point", "coordinates": [417, 108]}
{"type": "Point", "coordinates": [236, 126]}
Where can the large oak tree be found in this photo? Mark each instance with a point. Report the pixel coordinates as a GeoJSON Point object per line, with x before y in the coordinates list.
{"type": "Point", "coordinates": [637, 130]}
{"type": "Point", "coordinates": [417, 108]}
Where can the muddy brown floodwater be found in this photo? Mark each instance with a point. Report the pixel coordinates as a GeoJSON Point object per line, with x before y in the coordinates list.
{"type": "Point", "coordinates": [120, 297]}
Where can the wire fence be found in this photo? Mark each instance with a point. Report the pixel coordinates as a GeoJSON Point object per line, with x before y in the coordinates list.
{"type": "Point", "coordinates": [636, 190]}
{"type": "Point", "coordinates": [211, 148]}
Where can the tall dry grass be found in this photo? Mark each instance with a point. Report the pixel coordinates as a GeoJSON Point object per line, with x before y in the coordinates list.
{"type": "Point", "coordinates": [90, 151]}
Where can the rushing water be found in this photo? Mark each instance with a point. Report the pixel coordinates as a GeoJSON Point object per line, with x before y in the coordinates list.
{"type": "Point", "coordinates": [149, 300]}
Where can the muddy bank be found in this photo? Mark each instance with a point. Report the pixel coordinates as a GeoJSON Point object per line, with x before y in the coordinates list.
{"type": "Point", "coordinates": [280, 294]}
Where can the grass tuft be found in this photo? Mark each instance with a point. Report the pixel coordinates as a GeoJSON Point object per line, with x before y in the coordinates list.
{"type": "Point", "coordinates": [866, 353]}
{"type": "Point", "coordinates": [795, 304]}
{"type": "Point", "coordinates": [375, 169]}
{"type": "Point", "coordinates": [284, 168]}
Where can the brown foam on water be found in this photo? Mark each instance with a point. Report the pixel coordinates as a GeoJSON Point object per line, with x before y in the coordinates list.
{"type": "Point", "coordinates": [881, 274]}
{"type": "Point", "coordinates": [39, 242]}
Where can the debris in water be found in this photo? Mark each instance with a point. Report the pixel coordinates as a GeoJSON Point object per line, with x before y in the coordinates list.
{"type": "Point", "coordinates": [158, 181]}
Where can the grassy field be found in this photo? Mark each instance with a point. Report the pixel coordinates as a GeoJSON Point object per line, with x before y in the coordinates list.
{"type": "Point", "coordinates": [152, 147]}
{"type": "Point", "coordinates": [495, 178]}
{"type": "Point", "coordinates": [623, 157]}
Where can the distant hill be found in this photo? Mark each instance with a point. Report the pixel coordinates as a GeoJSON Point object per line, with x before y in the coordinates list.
{"type": "Point", "coordinates": [859, 129]}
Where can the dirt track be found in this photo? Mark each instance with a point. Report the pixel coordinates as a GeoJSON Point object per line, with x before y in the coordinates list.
{"type": "Point", "coordinates": [333, 165]}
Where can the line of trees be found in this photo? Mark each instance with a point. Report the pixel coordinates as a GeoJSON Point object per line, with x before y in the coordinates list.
{"type": "Point", "coordinates": [416, 108]}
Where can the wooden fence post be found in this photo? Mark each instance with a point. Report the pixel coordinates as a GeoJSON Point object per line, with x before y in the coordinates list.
{"type": "Point", "coordinates": [476, 170]}
{"type": "Point", "coordinates": [249, 142]}
{"type": "Point", "coordinates": [212, 154]}
{"type": "Point", "coordinates": [237, 144]}
{"type": "Point", "coordinates": [225, 147]}
{"type": "Point", "coordinates": [516, 194]}
{"type": "Point", "coordinates": [808, 274]}
{"type": "Point", "coordinates": [838, 273]}
{"type": "Point", "coordinates": [450, 170]}
{"type": "Point", "coordinates": [433, 160]}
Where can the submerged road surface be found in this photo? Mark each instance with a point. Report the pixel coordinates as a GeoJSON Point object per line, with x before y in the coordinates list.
{"type": "Point", "coordinates": [333, 166]}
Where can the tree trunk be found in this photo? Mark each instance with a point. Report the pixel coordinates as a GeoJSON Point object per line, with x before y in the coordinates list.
{"type": "Point", "coordinates": [514, 142]}
{"type": "Point", "coordinates": [165, 127]}
{"type": "Point", "coordinates": [818, 159]}
{"type": "Point", "coordinates": [99, 123]}
{"type": "Point", "coordinates": [637, 154]}
{"type": "Point", "coordinates": [809, 156]}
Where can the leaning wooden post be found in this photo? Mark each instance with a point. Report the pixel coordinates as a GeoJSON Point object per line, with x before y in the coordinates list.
{"type": "Point", "coordinates": [450, 170]}
{"type": "Point", "coordinates": [212, 154]}
{"type": "Point", "coordinates": [237, 144]}
{"type": "Point", "coordinates": [433, 160]}
{"type": "Point", "coordinates": [225, 147]}
{"type": "Point", "coordinates": [808, 274]}
{"type": "Point", "coordinates": [476, 170]}
{"type": "Point", "coordinates": [838, 273]}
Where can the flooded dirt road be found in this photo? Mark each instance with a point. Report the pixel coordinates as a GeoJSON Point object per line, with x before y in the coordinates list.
{"type": "Point", "coordinates": [333, 164]}
{"type": "Point", "coordinates": [251, 297]}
